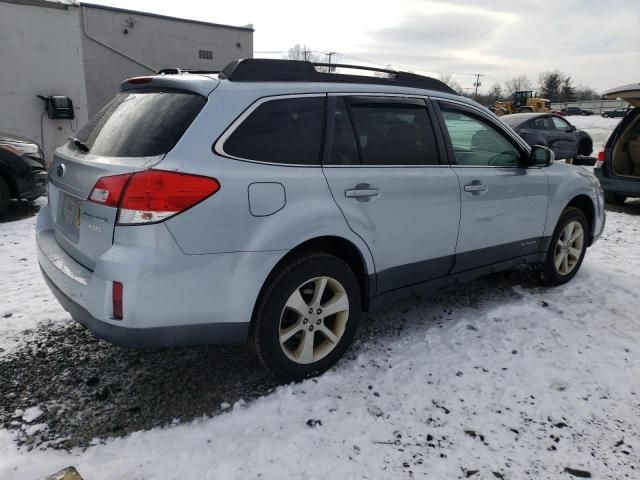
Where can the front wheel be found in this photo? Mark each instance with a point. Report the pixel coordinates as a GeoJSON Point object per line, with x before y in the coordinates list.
{"type": "Point", "coordinates": [567, 248]}
{"type": "Point", "coordinates": [306, 316]}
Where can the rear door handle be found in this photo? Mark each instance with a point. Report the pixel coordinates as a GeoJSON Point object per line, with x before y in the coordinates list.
{"type": "Point", "coordinates": [362, 192]}
{"type": "Point", "coordinates": [476, 187]}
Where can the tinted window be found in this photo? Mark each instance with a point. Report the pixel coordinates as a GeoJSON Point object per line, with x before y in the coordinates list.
{"type": "Point", "coordinates": [476, 142]}
{"type": "Point", "coordinates": [281, 131]}
{"type": "Point", "coordinates": [543, 123]}
{"type": "Point", "coordinates": [141, 123]}
{"type": "Point", "coordinates": [344, 150]}
{"type": "Point", "coordinates": [394, 134]}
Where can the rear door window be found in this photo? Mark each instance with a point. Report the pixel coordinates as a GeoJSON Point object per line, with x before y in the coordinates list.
{"type": "Point", "coordinates": [287, 130]}
{"type": "Point", "coordinates": [141, 123]}
{"type": "Point", "coordinates": [393, 131]}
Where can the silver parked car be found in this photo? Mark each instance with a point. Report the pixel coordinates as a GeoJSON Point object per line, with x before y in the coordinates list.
{"type": "Point", "coordinates": [273, 202]}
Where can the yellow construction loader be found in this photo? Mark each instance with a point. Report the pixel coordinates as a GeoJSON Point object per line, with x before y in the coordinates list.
{"type": "Point", "coordinates": [523, 102]}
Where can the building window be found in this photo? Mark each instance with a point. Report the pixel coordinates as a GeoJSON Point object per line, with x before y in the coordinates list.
{"type": "Point", "coordinates": [205, 54]}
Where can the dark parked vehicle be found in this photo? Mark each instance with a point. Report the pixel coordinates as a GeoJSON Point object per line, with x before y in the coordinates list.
{"type": "Point", "coordinates": [23, 175]}
{"type": "Point", "coordinates": [618, 112]}
{"type": "Point", "coordinates": [551, 131]}
{"type": "Point", "coordinates": [618, 166]}
{"type": "Point", "coordinates": [567, 112]}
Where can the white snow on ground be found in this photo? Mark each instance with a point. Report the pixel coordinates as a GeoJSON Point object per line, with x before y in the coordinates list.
{"type": "Point", "coordinates": [597, 126]}
{"type": "Point", "coordinates": [523, 368]}
{"type": "Point", "coordinates": [25, 300]}
{"type": "Point", "coordinates": [523, 383]}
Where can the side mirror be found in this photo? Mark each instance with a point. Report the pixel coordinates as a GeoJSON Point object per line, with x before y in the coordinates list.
{"type": "Point", "coordinates": [540, 156]}
{"type": "Point", "coordinates": [572, 128]}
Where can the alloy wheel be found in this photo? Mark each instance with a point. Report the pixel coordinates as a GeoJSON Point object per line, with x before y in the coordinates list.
{"type": "Point", "coordinates": [313, 320]}
{"type": "Point", "coordinates": [569, 248]}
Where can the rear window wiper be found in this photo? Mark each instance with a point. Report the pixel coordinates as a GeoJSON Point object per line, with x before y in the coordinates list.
{"type": "Point", "coordinates": [79, 144]}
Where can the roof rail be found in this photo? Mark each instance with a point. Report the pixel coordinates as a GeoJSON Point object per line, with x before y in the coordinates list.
{"type": "Point", "coordinates": [272, 70]}
{"type": "Point", "coordinates": [178, 71]}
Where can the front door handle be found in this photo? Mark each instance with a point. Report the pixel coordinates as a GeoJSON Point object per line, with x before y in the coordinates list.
{"type": "Point", "coordinates": [476, 187]}
{"type": "Point", "coordinates": [363, 192]}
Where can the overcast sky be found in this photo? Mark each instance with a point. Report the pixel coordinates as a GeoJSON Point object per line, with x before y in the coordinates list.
{"type": "Point", "coordinates": [597, 42]}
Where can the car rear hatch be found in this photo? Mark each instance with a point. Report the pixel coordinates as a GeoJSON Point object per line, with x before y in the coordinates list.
{"type": "Point", "coordinates": [130, 134]}
{"type": "Point", "coordinates": [629, 93]}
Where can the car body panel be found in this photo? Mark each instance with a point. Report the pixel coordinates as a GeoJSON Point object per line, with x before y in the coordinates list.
{"type": "Point", "coordinates": [207, 265]}
{"type": "Point", "coordinates": [511, 212]}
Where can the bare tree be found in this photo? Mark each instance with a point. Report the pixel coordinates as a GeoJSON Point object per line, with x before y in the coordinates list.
{"type": "Point", "coordinates": [448, 79]}
{"type": "Point", "coordinates": [496, 91]}
{"type": "Point", "coordinates": [302, 52]}
{"type": "Point", "coordinates": [515, 84]}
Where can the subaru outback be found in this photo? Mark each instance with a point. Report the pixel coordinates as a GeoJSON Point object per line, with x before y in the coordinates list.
{"type": "Point", "coordinates": [273, 202]}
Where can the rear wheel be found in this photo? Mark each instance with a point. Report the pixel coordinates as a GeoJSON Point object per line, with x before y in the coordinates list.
{"type": "Point", "coordinates": [605, 115]}
{"type": "Point", "coordinates": [4, 197]}
{"type": "Point", "coordinates": [525, 110]}
{"type": "Point", "coordinates": [567, 248]}
{"type": "Point", "coordinates": [306, 317]}
{"type": "Point", "coordinates": [614, 198]}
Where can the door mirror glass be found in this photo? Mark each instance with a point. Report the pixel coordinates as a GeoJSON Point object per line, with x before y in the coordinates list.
{"type": "Point", "coordinates": [540, 156]}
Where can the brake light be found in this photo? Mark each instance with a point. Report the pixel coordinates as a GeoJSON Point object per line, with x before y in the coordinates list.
{"type": "Point", "coordinates": [139, 80]}
{"type": "Point", "coordinates": [116, 296]}
{"type": "Point", "coordinates": [152, 195]}
{"type": "Point", "coordinates": [107, 190]}
{"type": "Point", "coordinates": [601, 157]}
{"type": "Point", "coordinates": [155, 195]}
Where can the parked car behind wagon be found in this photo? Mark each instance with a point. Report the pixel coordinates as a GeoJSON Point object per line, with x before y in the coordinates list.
{"type": "Point", "coordinates": [23, 174]}
{"type": "Point", "coordinates": [618, 165]}
{"type": "Point", "coordinates": [553, 131]}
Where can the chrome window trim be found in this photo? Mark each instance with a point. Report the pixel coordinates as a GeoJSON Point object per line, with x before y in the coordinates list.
{"type": "Point", "coordinates": [218, 146]}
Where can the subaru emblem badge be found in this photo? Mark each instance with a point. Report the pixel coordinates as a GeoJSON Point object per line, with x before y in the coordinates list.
{"type": "Point", "coordinates": [60, 170]}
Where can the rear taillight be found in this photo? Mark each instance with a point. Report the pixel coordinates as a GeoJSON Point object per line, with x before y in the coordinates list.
{"type": "Point", "coordinates": [601, 157]}
{"type": "Point", "coordinates": [152, 195]}
{"type": "Point", "coordinates": [107, 190]}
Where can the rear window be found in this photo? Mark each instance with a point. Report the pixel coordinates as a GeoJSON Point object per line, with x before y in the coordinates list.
{"type": "Point", "coordinates": [281, 131]}
{"type": "Point", "coordinates": [141, 123]}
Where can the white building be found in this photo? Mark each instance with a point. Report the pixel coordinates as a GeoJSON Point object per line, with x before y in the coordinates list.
{"type": "Point", "coordinates": [83, 51]}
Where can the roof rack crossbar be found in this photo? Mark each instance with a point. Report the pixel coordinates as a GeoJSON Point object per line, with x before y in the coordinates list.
{"type": "Point", "coordinates": [272, 70]}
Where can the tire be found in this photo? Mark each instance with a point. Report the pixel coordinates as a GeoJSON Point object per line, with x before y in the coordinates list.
{"type": "Point", "coordinates": [585, 148]}
{"type": "Point", "coordinates": [5, 194]}
{"type": "Point", "coordinates": [605, 115]}
{"type": "Point", "coordinates": [525, 110]}
{"type": "Point", "coordinates": [274, 318]}
{"type": "Point", "coordinates": [557, 273]}
{"type": "Point", "coordinates": [614, 198]}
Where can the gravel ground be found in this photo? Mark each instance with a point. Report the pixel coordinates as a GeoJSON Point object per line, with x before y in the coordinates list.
{"type": "Point", "coordinates": [88, 389]}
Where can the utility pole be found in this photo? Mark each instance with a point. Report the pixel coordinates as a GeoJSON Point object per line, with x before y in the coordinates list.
{"type": "Point", "coordinates": [329, 55]}
{"type": "Point", "coordinates": [477, 84]}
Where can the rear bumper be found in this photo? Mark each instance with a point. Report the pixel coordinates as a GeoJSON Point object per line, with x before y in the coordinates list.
{"type": "Point", "coordinates": [622, 186]}
{"type": "Point", "coordinates": [170, 299]}
{"type": "Point", "coordinates": [155, 337]}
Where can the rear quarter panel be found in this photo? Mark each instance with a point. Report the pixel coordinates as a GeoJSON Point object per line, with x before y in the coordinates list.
{"type": "Point", "coordinates": [224, 222]}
